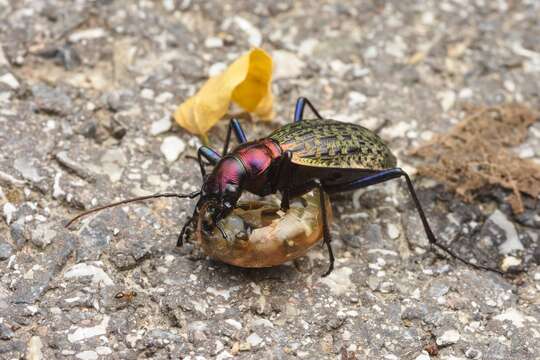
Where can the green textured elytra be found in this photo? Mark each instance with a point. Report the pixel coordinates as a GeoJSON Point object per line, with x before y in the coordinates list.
{"type": "Point", "coordinates": [334, 144]}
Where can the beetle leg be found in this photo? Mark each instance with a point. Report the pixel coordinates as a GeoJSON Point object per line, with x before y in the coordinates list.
{"type": "Point", "coordinates": [285, 172]}
{"type": "Point", "coordinates": [299, 109]}
{"type": "Point", "coordinates": [209, 154]}
{"type": "Point", "coordinates": [389, 174]}
{"type": "Point", "coordinates": [185, 230]}
{"type": "Point", "coordinates": [234, 124]}
{"type": "Point", "coordinates": [326, 229]}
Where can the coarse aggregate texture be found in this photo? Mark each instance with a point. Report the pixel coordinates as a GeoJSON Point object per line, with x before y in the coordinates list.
{"type": "Point", "coordinates": [86, 88]}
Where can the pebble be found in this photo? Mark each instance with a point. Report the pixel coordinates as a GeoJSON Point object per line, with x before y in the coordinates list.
{"type": "Point", "coordinates": [42, 235]}
{"type": "Point", "coordinates": [213, 42]}
{"type": "Point", "coordinates": [83, 269]}
{"type": "Point", "coordinates": [8, 210]}
{"type": "Point", "coordinates": [10, 81]}
{"type": "Point", "coordinates": [216, 69]}
{"type": "Point", "coordinates": [234, 323]}
{"type": "Point", "coordinates": [447, 99]}
{"type": "Point", "coordinates": [509, 262]}
{"type": "Point", "coordinates": [356, 98]}
{"type": "Point", "coordinates": [87, 355]}
{"type": "Point", "coordinates": [423, 356]}
{"type": "Point", "coordinates": [287, 65]}
{"type": "Point", "coordinates": [87, 34]}
{"type": "Point", "coordinates": [34, 349]}
{"type": "Point", "coordinates": [27, 170]}
{"type": "Point", "coordinates": [393, 231]}
{"type": "Point", "coordinates": [171, 147]}
{"type": "Point", "coordinates": [339, 281]}
{"type": "Point", "coordinates": [254, 340]}
{"type": "Point", "coordinates": [161, 126]}
{"type": "Point", "coordinates": [449, 337]}
{"type": "Point", "coordinates": [82, 333]}
{"type": "Point", "coordinates": [254, 35]}
{"type": "Point", "coordinates": [164, 97]}
{"type": "Point", "coordinates": [5, 332]}
{"type": "Point", "coordinates": [513, 315]}
{"type": "Point", "coordinates": [512, 242]}
{"type": "Point", "coordinates": [224, 355]}
{"type": "Point", "coordinates": [113, 162]}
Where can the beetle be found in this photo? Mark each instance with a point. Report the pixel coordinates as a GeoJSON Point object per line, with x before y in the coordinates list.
{"type": "Point", "coordinates": [320, 153]}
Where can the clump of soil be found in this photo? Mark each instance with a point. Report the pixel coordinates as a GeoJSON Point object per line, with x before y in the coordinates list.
{"type": "Point", "coordinates": [476, 154]}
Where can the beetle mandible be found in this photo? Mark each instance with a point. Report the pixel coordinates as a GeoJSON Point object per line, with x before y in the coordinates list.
{"type": "Point", "coordinates": [320, 153]}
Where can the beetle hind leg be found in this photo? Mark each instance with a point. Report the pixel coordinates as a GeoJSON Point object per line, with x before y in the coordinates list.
{"type": "Point", "coordinates": [327, 237]}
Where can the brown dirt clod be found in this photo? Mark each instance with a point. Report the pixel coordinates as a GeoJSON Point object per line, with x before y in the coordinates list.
{"type": "Point", "coordinates": [477, 154]}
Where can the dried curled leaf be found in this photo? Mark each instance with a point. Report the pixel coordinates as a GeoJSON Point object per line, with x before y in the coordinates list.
{"type": "Point", "coordinates": [477, 153]}
{"type": "Point", "coordinates": [247, 82]}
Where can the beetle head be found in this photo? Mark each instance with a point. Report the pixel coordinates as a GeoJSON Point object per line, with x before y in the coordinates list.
{"type": "Point", "coordinates": [223, 188]}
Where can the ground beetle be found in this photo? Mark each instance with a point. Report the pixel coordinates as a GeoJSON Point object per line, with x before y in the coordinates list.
{"type": "Point", "coordinates": [320, 153]}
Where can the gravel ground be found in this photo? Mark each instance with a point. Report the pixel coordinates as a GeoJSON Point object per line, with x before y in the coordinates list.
{"type": "Point", "coordinates": [86, 92]}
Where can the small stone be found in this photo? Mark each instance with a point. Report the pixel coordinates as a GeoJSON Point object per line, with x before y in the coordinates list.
{"type": "Point", "coordinates": [26, 168]}
{"type": "Point", "coordinates": [164, 97]}
{"type": "Point", "coordinates": [161, 126]}
{"type": "Point", "coordinates": [172, 147]}
{"type": "Point", "coordinates": [147, 94]}
{"type": "Point", "coordinates": [512, 242]}
{"type": "Point", "coordinates": [224, 355]}
{"type": "Point", "coordinates": [254, 340]}
{"type": "Point", "coordinates": [234, 323]}
{"type": "Point", "coordinates": [423, 356]}
{"type": "Point", "coordinates": [6, 250]}
{"type": "Point", "coordinates": [97, 274]}
{"type": "Point", "coordinates": [254, 35]}
{"type": "Point", "coordinates": [339, 280]}
{"type": "Point", "coordinates": [393, 231]}
{"type": "Point", "coordinates": [513, 315]}
{"type": "Point", "coordinates": [472, 353]}
{"type": "Point", "coordinates": [82, 333]}
{"type": "Point", "coordinates": [216, 69]}
{"type": "Point", "coordinates": [34, 349]}
{"type": "Point", "coordinates": [168, 5]}
{"type": "Point", "coordinates": [87, 355]}
{"type": "Point", "coordinates": [10, 81]}
{"type": "Point", "coordinates": [113, 162]}
{"type": "Point", "coordinates": [87, 34]}
{"type": "Point", "coordinates": [42, 235]}
{"type": "Point", "coordinates": [356, 98]}
{"type": "Point", "coordinates": [447, 99]}
{"type": "Point", "coordinates": [287, 65]}
{"type": "Point", "coordinates": [5, 332]}
{"type": "Point", "coordinates": [213, 42]}
{"type": "Point", "coordinates": [8, 210]}
{"type": "Point", "coordinates": [509, 262]}
{"type": "Point", "coordinates": [449, 337]}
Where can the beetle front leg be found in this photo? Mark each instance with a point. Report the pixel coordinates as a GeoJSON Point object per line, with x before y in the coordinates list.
{"type": "Point", "coordinates": [285, 172]}
{"type": "Point", "coordinates": [209, 154]}
{"type": "Point", "coordinates": [234, 125]}
{"type": "Point", "coordinates": [299, 109]}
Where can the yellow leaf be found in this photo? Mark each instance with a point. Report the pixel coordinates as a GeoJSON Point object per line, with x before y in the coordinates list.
{"type": "Point", "coordinates": [247, 82]}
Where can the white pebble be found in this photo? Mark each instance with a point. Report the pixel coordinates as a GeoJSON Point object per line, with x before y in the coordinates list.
{"type": "Point", "coordinates": [161, 126]}
{"type": "Point", "coordinates": [147, 94]}
{"type": "Point", "coordinates": [449, 337]}
{"type": "Point", "coordinates": [254, 340]}
{"type": "Point", "coordinates": [393, 231]}
{"type": "Point", "coordinates": [216, 69]}
{"type": "Point", "coordinates": [356, 98]}
{"type": "Point", "coordinates": [9, 210]}
{"type": "Point", "coordinates": [10, 81]}
{"type": "Point", "coordinates": [87, 355]}
{"type": "Point", "coordinates": [172, 147]}
{"type": "Point", "coordinates": [213, 42]}
{"type": "Point", "coordinates": [234, 323]}
{"type": "Point", "coordinates": [87, 34]}
{"type": "Point", "coordinates": [287, 65]}
{"type": "Point", "coordinates": [423, 356]}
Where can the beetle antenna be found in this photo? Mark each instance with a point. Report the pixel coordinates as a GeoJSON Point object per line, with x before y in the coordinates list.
{"type": "Point", "coordinates": [140, 198]}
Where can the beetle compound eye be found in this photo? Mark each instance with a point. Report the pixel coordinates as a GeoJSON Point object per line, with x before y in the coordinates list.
{"type": "Point", "coordinates": [260, 235]}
